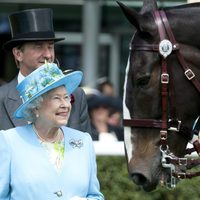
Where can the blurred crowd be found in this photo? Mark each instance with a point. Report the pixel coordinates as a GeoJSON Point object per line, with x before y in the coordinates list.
{"type": "Point", "coordinates": [105, 110]}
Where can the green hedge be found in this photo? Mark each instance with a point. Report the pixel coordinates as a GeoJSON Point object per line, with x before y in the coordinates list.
{"type": "Point", "coordinates": [116, 185]}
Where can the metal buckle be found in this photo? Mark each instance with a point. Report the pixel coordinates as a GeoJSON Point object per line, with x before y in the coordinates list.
{"type": "Point", "coordinates": [163, 135]}
{"type": "Point", "coordinates": [182, 161]}
{"type": "Point", "coordinates": [189, 74]}
{"type": "Point", "coordinates": [173, 128]}
{"type": "Point", "coordinates": [181, 175]}
{"type": "Point", "coordinates": [173, 182]}
{"type": "Point", "coordinates": [165, 78]}
{"type": "Point", "coordinates": [171, 167]}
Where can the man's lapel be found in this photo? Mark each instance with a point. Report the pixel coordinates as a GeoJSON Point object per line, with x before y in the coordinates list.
{"type": "Point", "coordinates": [13, 102]}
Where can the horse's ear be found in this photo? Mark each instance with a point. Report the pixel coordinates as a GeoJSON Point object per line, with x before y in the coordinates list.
{"type": "Point", "coordinates": [138, 20]}
{"type": "Point", "coordinates": [132, 16]}
{"type": "Point", "coordinates": [149, 6]}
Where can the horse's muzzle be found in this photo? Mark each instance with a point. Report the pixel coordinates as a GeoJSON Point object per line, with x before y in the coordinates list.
{"type": "Point", "coordinates": [142, 180]}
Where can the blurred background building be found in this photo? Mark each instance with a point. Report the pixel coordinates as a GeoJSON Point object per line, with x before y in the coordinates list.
{"type": "Point", "coordinates": [97, 36]}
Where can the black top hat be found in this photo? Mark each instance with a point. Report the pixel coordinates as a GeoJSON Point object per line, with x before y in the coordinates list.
{"type": "Point", "coordinates": [31, 25]}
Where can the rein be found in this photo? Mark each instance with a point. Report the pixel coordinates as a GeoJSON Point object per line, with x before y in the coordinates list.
{"type": "Point", "coordinates": [172, 124]}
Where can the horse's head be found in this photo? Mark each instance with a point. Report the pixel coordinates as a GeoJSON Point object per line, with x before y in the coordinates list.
{"type": "Point", "coordinates": [160, 102]}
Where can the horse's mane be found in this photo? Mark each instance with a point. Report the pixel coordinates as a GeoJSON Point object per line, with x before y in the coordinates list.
{"type": "Point", "coordinates": [190, 5]}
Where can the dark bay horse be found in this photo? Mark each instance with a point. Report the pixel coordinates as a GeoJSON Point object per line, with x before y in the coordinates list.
{"type": "Point", "coordinates": [161, 92]}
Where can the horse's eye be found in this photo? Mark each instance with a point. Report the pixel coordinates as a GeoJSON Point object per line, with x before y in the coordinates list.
{"type": "Point", "coordinates": [143, 81]}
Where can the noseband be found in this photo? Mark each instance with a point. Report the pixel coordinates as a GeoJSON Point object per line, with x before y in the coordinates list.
{"type": "Point", "coordinates": [166, 46]}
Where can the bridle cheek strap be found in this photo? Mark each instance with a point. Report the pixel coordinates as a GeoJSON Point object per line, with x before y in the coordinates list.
{"type": "Point", "coordinates": [164, 82]}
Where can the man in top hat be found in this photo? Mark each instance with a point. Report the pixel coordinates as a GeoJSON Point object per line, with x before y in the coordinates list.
{"type": "Point", "coordinates": [32, 45]}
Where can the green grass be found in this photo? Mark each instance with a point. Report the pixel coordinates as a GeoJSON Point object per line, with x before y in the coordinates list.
{"type": "Point", "coordinates": [116, 185]}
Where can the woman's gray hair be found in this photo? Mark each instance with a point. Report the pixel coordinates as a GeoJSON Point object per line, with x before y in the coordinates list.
{"type": "Point", "coordinates": [29, 113]}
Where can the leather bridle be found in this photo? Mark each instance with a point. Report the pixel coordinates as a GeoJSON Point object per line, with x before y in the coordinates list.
{"type": "Point", "coordinates": [165, 48]}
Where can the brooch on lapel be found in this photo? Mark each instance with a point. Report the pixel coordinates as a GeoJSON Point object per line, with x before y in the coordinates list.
{"type": "Point", "coordinates": [76, 143]}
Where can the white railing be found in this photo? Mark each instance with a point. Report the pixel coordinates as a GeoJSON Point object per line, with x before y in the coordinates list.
{"type": "Point", "coordinates": [109, 148]}
{"type": "Point", "coordinates": [117, 148]}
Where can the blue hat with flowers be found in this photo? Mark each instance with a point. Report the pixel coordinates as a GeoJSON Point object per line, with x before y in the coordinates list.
{"type": "Point", "coordinates": [43, 79]}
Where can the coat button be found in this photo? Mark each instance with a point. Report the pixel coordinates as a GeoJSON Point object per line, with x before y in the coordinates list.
{"type": "Point", "coordinates": [58, 193]}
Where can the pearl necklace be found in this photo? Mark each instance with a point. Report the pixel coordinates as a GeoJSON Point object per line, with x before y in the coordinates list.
{"type": "Point", "coordinates": [44, 140]}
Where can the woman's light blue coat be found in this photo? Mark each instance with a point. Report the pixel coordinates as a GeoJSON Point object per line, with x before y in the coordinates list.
{"type": "Point", "coordinates": [27, 174]}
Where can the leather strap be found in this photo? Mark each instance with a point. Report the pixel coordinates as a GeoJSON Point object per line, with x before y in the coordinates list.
{"type": "Point", "coordinates": [146, 123]}
{"type": "Point", "coordinates": [187, 71]}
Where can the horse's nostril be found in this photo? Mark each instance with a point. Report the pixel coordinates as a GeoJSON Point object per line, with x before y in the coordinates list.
{"type": "Point", "coordinates": [139, 179]}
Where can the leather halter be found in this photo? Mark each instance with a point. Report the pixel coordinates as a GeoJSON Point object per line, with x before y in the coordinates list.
{"type": "Point", "coordinates": [165, 124]}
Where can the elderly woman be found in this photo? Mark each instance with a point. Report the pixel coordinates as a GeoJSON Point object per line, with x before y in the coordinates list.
{"type": "Point", "coordinates": [45, 160]}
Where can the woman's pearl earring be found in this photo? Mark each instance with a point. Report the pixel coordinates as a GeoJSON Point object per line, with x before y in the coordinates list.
{"type": "Point", "coordinates": [37, 115]}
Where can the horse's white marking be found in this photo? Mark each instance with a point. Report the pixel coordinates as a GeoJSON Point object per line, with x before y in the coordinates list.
{"type": "Point", "coordinates": [126, 115]}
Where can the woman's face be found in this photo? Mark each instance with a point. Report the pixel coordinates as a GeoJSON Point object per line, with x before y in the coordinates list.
{"type": "Point", "coordinates": [55, 108]}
